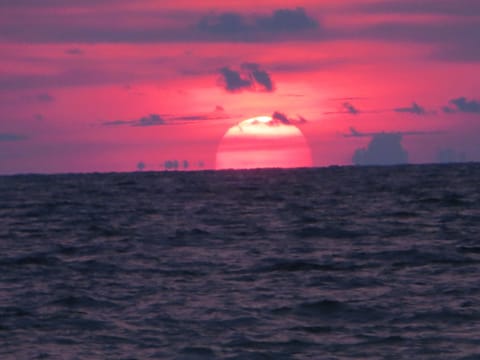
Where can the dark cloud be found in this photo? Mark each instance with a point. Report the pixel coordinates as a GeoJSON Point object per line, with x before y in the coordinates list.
{"type": "Point", "coordinates": [259, 76]}
{"type": "Point", "coordinates": [109, 26]}
{"type": "Point", "coordinates": [157, 120]}
{"type": "Point", "coordinates": [463, 105]}
{"type": "Point", "coordinates": [56, 3]}
{"type": "Point", "coordinates": [250, 77]}
{"type": "Point", "coordinates": [11, 137]}
{"type": "Point", "coordinates": [118, 122]}
{"type": "Point", "coordinates": [424, 7]}
{"type": "Point", "coordinates": [453, 40]}
{"type": "Point", "coordinates": [287, 20]}
{"type": "Point", "coordinates": [226, 23]}
{"type": "Point", "coordinates": [350, 108]}
{"type": "Point", "coordinates": [233, 80]}
{"type": "Point", "coordinates": [73, 77]}
{"type": "Point", "coordinates": [427, 32]}
{"type": "Point", "coordinates": [150, 120]}
{"type": "Point", "coordinates": [414, 109]}
{"type": "Point", "coordinates": [74, 51]}
{"type": "Point", "coordinates": [448, 110]}
{"type": "Point", "coordinates": [45, 97]}
{"type": "Point", "coordinates": [466, 51]}
{"type": "Point", "coordinates": [199, 117]}
{"type": "Point", "coordinates": [450, 39]}
{"type": "Point", "coordinates": [246, 26]}
{"type": "Point", "coordinates": [355, 133]}
{"type": "Point", "coordinates": [383, 149]}
{"type": "Point", "coordinates": [280, 118]}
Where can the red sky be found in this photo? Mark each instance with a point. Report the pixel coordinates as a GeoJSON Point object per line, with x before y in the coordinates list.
{"type": "Point", "coordinates": [100, 85]}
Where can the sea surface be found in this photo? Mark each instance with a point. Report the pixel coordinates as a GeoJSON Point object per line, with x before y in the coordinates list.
{"type": "Point", "coordinates": [327, 263]}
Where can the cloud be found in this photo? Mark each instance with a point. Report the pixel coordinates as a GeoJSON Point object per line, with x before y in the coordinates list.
{"type": "Point", "coordinates": [250, 77]}
{"type": "Point", "coordinates": [233, 80]}
{"type": "Point", "coordinates": [259, 76]}
{"type": "Point", "coordinates": [149, 120]}
{"type": "Point", "coordinates": [199, 117]}
{"type": "Point", "coordinates": [72, 77]}
{"type": "Point", "coordinates": [414, 109]}
{"type": "Point", "coordinates": [280, 118]}
{"type": "Point", "coordinates": [463, 105]}
{"type": "Point", "coordinates": [74, 51]}
{"type": "Point", "coordinates": [44, 97]}
{"type": "Point", "coordinates": [355, 133]}
{"type": "Point", "coordinates": [383, 149]}
{"type": "Point", "coordinates": [448, 110]}
{"type": "Point", "coordinates": [347, 107]}
{"type": "Point", "coordinates": [11, 137]}
{"type": "Point", "coordinates": [287, 20]}
{"type": "Point", "coordinates": [158, 120]}
{"type": "Point", "coordinates": [350, 109]}
{"type": "Point", "coordinates": [119, 24]}
{"type": "Point", "coordinates": [225, 23]}
{"type": "Point", "coordinates": [55, 3]}
{"type": "Point", "coordinates": [242, 26]}
{"type": "Point", "coordinates": [450, 39]}
{"type": "Point", "coordinates": [465, 8]}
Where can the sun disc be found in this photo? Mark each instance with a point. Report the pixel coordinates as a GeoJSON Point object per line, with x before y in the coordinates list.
{"type": "Point", "coordinates": [263, 142]}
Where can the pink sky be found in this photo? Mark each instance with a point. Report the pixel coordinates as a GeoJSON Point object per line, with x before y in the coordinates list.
{"type": "Point", "coordinates": [102, 85]}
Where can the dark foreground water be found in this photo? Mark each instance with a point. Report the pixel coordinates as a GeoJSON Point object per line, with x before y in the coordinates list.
{"type": "Point", "coordinates": [335, 263]}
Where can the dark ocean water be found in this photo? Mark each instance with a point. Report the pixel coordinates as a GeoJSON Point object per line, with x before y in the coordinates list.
{"type": "Point", "coordinates": [333, 263]}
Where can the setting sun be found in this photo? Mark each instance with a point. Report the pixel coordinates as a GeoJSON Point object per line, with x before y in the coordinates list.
{"type": "Point", "coordinates": [263, 142]}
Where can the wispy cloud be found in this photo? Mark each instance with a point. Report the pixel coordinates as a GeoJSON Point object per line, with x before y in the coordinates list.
{"type": "Point", "coordinates": [149, 120]}
{"type": "Point", "coordinates": [161, 120]}
{"type": "Point", "coordinates": [281, 118]}
{"type": "Point", "coordinates": [350, 108]}
{"type": "Point", "coordinates": [45, 97]}
{"type": "Point", "coordinates": [413, 109]}
{"type": "Point", "coordinates": [354, 133]}
{"type": "Point", "coordinates": [74, 51]}
{"type": "Point", "coordinates": [467, 8]}
{"type": "Point", "coordinates": [346, 108]}
{"type": "Point", "coordinates": [11, 137]}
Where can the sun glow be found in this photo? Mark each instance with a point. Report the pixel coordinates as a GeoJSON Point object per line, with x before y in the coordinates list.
{"type": "Point", "coordinates": [263, 142]}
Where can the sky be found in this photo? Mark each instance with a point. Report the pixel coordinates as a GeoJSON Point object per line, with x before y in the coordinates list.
{"type": "Point", "coordinates": [116, 85]}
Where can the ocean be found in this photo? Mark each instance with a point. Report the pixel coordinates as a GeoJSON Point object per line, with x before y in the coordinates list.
{"type": "Point", "coordinates": [321, 263]}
